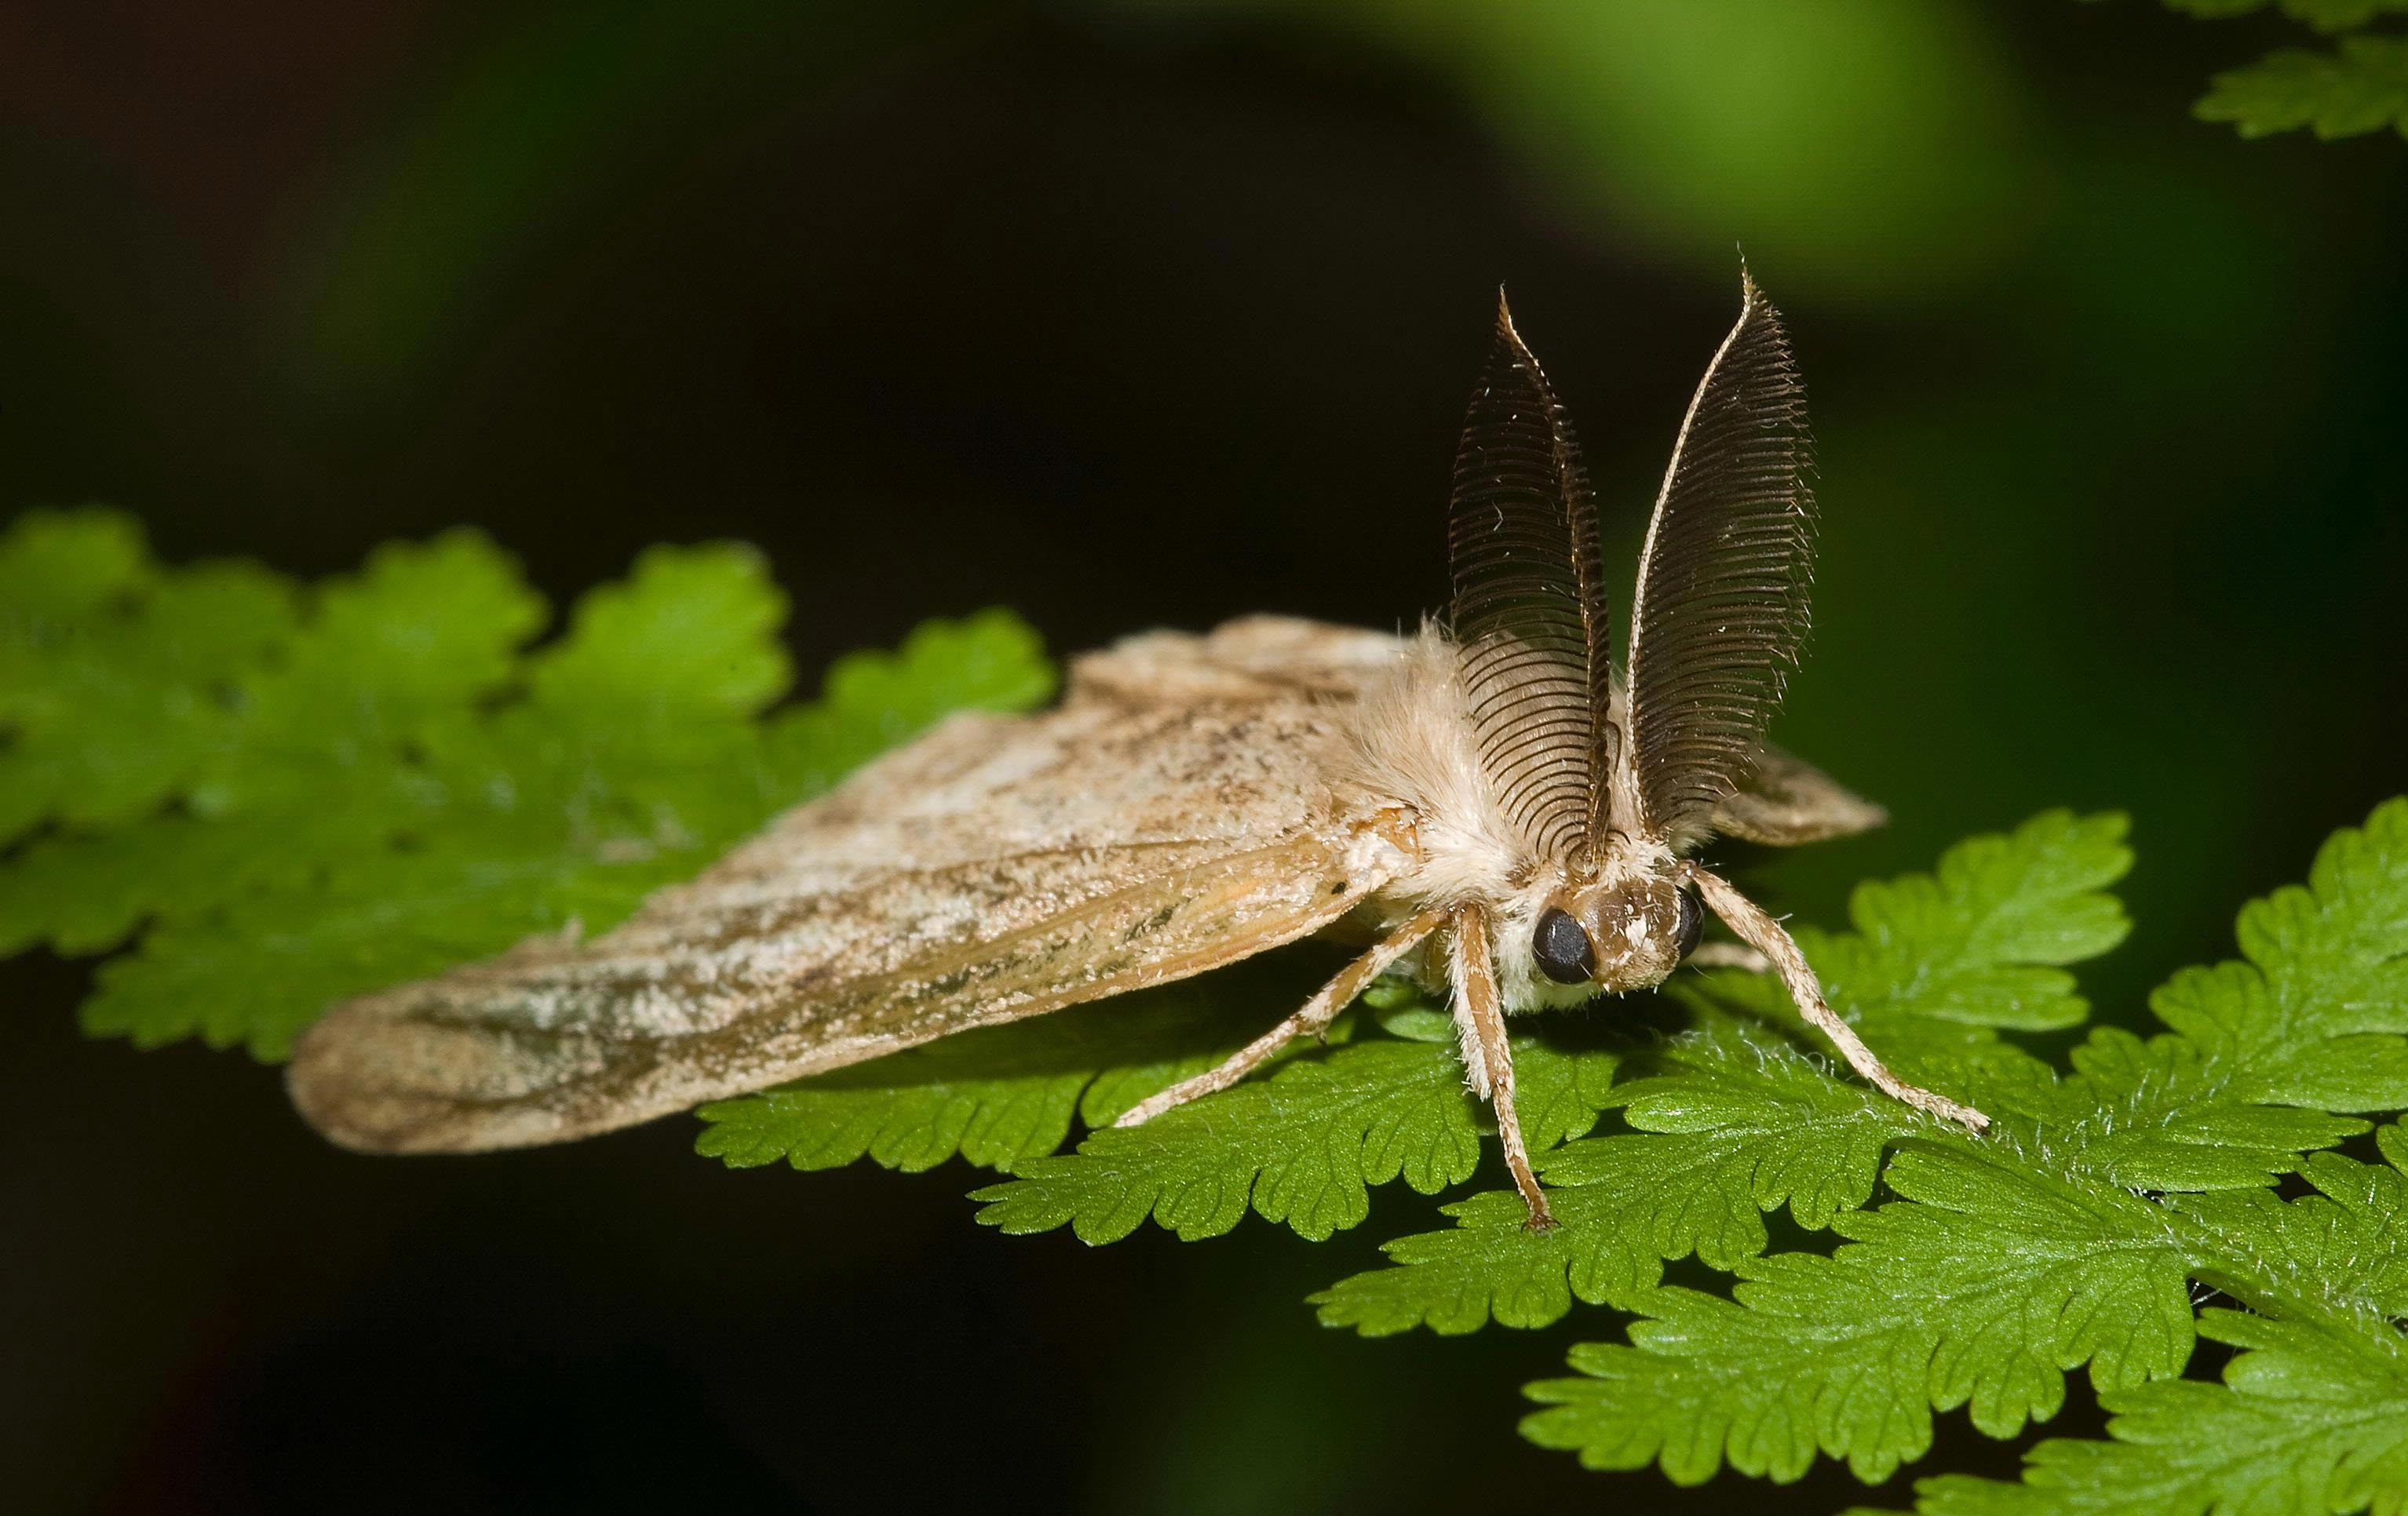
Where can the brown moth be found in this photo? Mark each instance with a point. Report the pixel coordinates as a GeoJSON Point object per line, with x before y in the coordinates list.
{"type": "Point", "coordinates": [1506, 810]}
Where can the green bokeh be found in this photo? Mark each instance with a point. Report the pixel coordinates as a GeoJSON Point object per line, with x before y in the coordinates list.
{"type": "Point", "coordinates": [1868, 149]}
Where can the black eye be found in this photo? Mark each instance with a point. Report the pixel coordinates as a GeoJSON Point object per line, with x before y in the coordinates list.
{"type": "Point", "coordinates": [1693, 918]}
{"type": "Point", "coordinates": [1562, 948]}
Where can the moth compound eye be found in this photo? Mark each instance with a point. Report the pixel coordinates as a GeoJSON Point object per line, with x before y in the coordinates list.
{"type": "Point", "coordinates": [1693, 918]}
{"type": "Point", "coordinates": [1562, 946]}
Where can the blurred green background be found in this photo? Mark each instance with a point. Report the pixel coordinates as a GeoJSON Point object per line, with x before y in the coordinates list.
{"type": "Point", "coordinates": [1124, 314]}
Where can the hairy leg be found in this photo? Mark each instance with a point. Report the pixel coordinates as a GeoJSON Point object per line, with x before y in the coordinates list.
{"type": "Point", "coordinates": [1313, 1017]}
{"type": "Point", "coordinates": [1728, 955]}
{"type": "Point", "coordinates": [1761, 932]}
{"type": "Point", "coordinates": [1479, 1019]}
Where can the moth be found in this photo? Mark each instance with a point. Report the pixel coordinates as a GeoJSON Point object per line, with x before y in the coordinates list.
{"type": "Point", "coordinates": [1500, 807]}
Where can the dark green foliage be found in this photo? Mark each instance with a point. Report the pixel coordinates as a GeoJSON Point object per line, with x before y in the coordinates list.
{"type": "Point", "coordinates": [1298, 1146]}
{"type": "Point", "coordinates": [2360, 86]}
{"type": "Point", "coordinates": [2068, 1238]}
{"type": "Point", "coordinates": [288, 797]}
{"type": "Point", "coordinates": [2324, 15]}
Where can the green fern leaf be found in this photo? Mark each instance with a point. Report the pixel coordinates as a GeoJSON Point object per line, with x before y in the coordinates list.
{"type": "Point", "coordinates": [1001, 1095]}
{"type": "Point", "coordinates": [2345, 1248]}
{"type": "Point", "coordinates": [2217, 9]}
{"type": "Point", "coordinates": [2311, 1419]}
{"type": "Point", "coordinates": [1746, 1124]}
{"type": "Point", "coordinates": [2010, 1260]}
{"type": "Point", "coordinates": [1299, 1147]}
{"type": "Point", "coordinates": [114, 682]}
{"type": "Point", "coordinates": [2324, 15]}
{"type": "Point", "coordinates": [1985, 1297]}
{"type": "Point", "coordinates": [1938, 963]}
{"type": "Point", "coordinates": [2264, 1050]}
{"type": "Point", "coordinates": [1737, 1123]}
{"type": "Point", "coordinates": [2360, 87]}
{"type": "Point", "coordinates": [2315, 1417]}
{"type": "Point", "coordinates": [299, 797]}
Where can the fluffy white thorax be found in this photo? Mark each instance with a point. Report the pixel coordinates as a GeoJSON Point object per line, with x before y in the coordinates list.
{"type": "Point", "coordinates": [1413, 745]}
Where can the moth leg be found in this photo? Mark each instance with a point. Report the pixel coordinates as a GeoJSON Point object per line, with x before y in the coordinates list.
{"type": "Point", "coordinates": [1480, 1021]}
{"type": "Point", "coordinates": [1728, 955]}
{"type": "Point", "coordinates": [1314, 1017]}
{"type": "Point", "coordinates": [1761, 931]}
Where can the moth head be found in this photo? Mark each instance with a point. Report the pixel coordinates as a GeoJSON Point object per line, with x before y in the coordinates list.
{"type": "Point", "coordinates": [1624, 934]}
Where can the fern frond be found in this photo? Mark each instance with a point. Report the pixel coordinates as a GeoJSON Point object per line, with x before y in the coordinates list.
{"type": "Point", "coordinates": [1736, 1121]}
{"type": "Point", "coordinates": [1300, 1148]}
{"type": "Point", "coordinates": [2068, 1239]}
{"type": "Point", "coordinates": [2359, 87]}
{"type": "Point", "coordinates": [291, 796]}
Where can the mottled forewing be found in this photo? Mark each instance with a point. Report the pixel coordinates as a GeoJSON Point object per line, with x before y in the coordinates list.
{"type": "Point", "coordinates": [1720, 614]}
{"type": "Point", "coordinates": [1173, 814]}
{"type": "Point", "coordinates": [1528, 614]}
{"type": "Point", "coordinates": [1781, 800]}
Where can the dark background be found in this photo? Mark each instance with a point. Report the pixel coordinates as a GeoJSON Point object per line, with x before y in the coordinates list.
{"type": "Point", "coordinates": [1123, 314]}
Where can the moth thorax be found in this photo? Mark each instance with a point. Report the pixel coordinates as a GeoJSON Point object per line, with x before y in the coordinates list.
{"type": "Point", "coordinates": [1623, 934]}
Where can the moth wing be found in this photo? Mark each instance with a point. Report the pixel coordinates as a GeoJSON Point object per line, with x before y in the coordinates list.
{"type": "Point", "coordinates": [1782, 800]}
{"type": "Point", "coordinates": [1175, 813]}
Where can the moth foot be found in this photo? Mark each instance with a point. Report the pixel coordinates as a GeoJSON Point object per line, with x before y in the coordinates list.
{"type": "Point", "coordinates": [1177, 1096]}
{"type": "Point", "coordinates": [1938, 1105]}
{"type": "Point", "coordinates": [1729, 955]}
